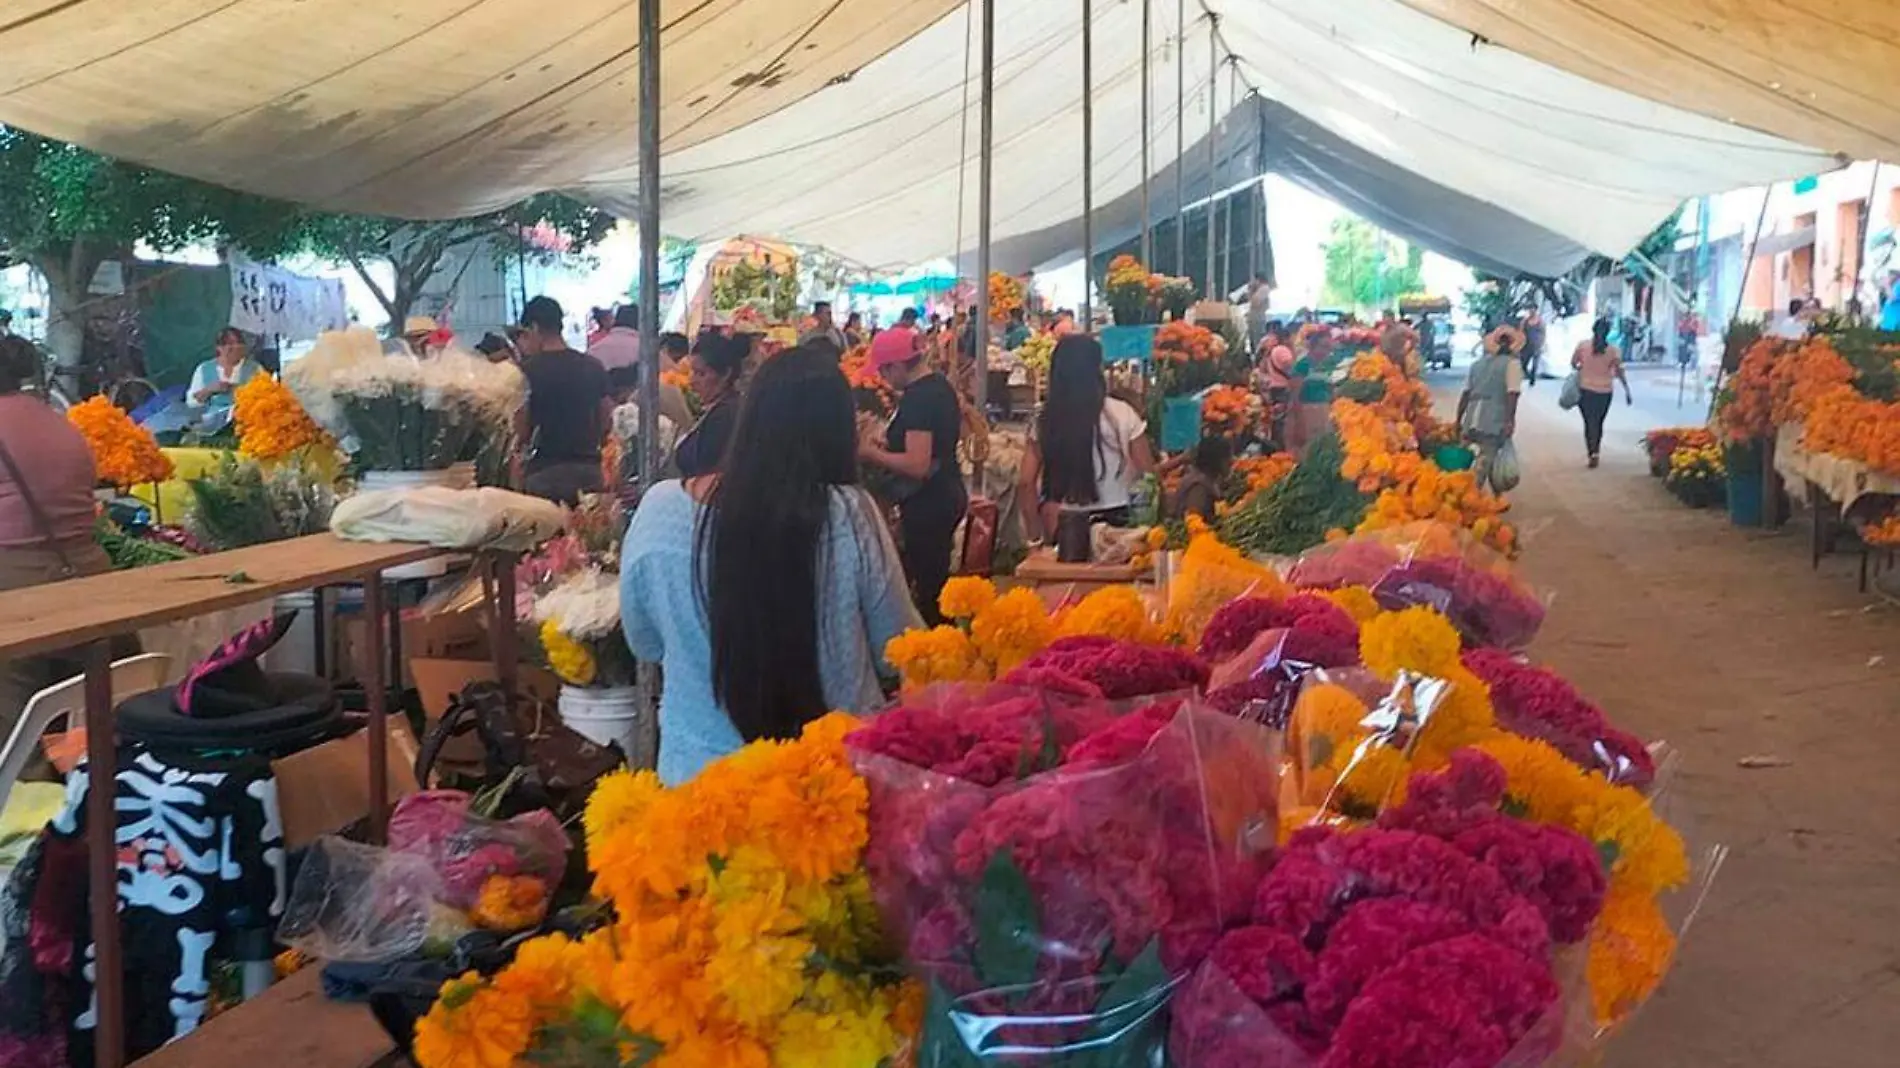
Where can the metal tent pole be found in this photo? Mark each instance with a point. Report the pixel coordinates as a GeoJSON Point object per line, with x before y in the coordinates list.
{"type": "Point", "coordinates": [1180, 137]}
{"type": "Point", "coordinates": [986, 148]}
{"type": "Point", "coordinates": [650, 459]}
{"type": "Point", "coordinates": [1088, 165]}
{"type": "Point", "coordinates": [1213, 148]}
{"type": "Point", "coordinates": [1227, 254]}
{"type": "Point", "coordinates": [1147, 126]}
{"type": "Point", "coordinates": [1741, 294]}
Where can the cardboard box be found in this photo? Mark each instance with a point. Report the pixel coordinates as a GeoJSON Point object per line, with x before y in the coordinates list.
{"type": "Point", "coordinates": [438, 681]}
{"type": "Point", "coordinates": [326, 788]}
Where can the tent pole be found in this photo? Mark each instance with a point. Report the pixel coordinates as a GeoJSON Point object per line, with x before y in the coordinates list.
{"type": "Point", "coordinates": [1147, 123]}
{"type": "Point", "coordinates": [1088, 165]}
{"type": "Point", "coordinates": [650, 459]}
{"type": "Point", "coordinates": [1213, 147]}
{"type": "Point", "coordinates": [1180, 137]}
{"type": "Point", "coordinates": [986, 138]}
{"type": "Point", "coordinates": [1227, 256]}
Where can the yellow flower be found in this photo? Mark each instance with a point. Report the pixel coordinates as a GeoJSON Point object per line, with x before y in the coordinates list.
{"type": "Point", "coordinates": [1357, 602]}
{"type": "Point", "coordinates": [1372, 776]}
{"type": "Point", "coordinates": [567, 658]}
{"type": "Point", "coordinates": [1117, 612]}
{"type": "Point", "coordinates": [1462, 717]}
{"type": "Point", "coordinates": [1211, 575]}
{"type": "Point", "coordinates": [943, 654]}
{"type": "Point", "coordinates": [964, 596]}
{"type": "Point", "coordinates": [618, 800]}
{"type": "Point", "coordinates": [271, 422]}
{"type": "Point", "coordinates": [1417, 640]}
{"type": "Point", "coordinates": [1011, 630]}
{"type": "Point", "coordinates": [1631, 948]}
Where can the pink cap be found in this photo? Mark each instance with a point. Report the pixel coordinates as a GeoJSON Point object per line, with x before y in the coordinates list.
{"type": "Point", "coordinates": [896, 345]}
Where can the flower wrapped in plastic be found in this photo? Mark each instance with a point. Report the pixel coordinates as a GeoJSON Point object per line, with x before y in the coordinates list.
{"type": "Point", "coordinates": [1436, 565]}
{"type": "Point", "coordinates": [1053, 908]}
{"type": "Point", "coordinates": [1536, 702]}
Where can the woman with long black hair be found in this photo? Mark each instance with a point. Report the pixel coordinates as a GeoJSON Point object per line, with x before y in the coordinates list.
{"type": "Point", "coordinates": [767, 592]}
{"type": "Point", "coordinates": [1088, 449]}
{"type": "Point", "coordinates": [1599, 367]}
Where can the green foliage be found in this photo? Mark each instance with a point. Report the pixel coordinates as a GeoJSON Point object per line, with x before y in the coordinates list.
{"type": "Point", "coordinates": [772, 291]}
{"type": "Point", "coordinates": [1008, 927]}
{"type": "Point", "coordinates": [1362, 271]}
{"type": "Point", "coordinates": [1295, 513]}
{"type": "Point", "coordinates": [242, 503]}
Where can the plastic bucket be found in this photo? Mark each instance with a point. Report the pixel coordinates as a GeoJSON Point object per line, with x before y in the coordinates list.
{"type": "Point", "coordinates": [459, 477]}
{"type": "Point", "coordinates": [1454, 458]}
{"type": "Point", "coordinates": [1744, 486]}
{"type": "Point", "coordinates": [607, 715]}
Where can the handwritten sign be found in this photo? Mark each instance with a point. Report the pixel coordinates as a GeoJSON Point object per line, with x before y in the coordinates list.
{"type": "Point", "coordinates": [271, 301]}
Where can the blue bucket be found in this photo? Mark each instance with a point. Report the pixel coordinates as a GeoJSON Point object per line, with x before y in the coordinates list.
{"type": "Point", "coordinates": [1121, 344]}
{"type": "Point", "coordinates": [1454, 458]}
{"type": "Point", "coordinates": [1744, 485]}
{"type": "Point", "coordinates": [1180, 423]}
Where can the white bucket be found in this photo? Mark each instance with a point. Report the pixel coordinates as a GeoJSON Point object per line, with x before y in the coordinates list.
{"type": "Point", "coordinates": [608, 715]}
{"type": "Point", "coordinates": [459, 477]}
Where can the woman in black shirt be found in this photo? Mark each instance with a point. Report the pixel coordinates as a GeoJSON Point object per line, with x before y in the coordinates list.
{"type": "Point", "coordinates": [715, 366]}
{"type": "Point", "coordinates": [920, 445]}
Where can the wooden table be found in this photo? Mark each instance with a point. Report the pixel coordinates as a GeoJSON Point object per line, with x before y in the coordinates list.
{"type": "Point", "coordinates": [87, 613]}
{"type": "Point", "coordinates": [1058, 582]}
{"type": "Point", "coordinates": [291, 1022]}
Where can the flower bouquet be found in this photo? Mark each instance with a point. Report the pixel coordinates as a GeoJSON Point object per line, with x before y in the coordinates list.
{"type": "Point", "coordinates": [1054, 865]}
{"type": "Point", "coordinates": [398, 413]}
{"type": "Point", "coordinates": [1698, 476]}
{"type": "Point", "coordinates": [1662, 444]}
{"type": "Point", "coordinates": [1177, 296]}
{"type": "Point", "coordinates": [740, 933]}
{"type": "Point", "coordinates": [1231, 412]}
{"type": "Point", "coordinates": [577, 623]}
{"type": "Point", "coordinates": [244, 502]}
{"type": "Point", "coordinates": [1187, 358]}
{"type": "Point", "coordinates": [869, 392]}
{"type": "Point", "coordinates": [123, 452]}
{"type": "Point", "coordinates": [1434, 564]}
{"type": "Point", "coordinates": [1130, 291]}
{"type": "Point", "coordinates": [1006, 295]}
{"type": "Point", "coordinates": [271, 422]}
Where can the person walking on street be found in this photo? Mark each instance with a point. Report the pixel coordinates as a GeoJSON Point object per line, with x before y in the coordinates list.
{"type": "Point", "coordinates": [1487, 409]}
{"type": "Point", "coordinates": [1599, 367]}
{"type": "Point", "coordinates": [1534, 336]}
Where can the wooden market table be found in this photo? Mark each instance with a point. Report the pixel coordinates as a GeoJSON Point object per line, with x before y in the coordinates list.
{"type": "Point", "coordinates": [1056, 582]}
{"type": "Point", "coordinates": [85, 614]}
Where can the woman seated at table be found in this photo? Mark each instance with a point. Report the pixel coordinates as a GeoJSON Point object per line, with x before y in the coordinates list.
{"type": "Point", "coordinates": [1086, 450]}
{"type": "Point", "coordinates": [217, 379]}
{"type": "Point", "coordinates": [766, 592]}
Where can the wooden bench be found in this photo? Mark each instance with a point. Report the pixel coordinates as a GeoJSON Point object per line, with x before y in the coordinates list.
{"type": "Point", "coordinates": [291, 1024]}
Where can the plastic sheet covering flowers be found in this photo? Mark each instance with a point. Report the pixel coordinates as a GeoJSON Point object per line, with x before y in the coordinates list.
{"type": "Point", "coordinates": [125, 453]}
{"type": "Point", "coordinates": [743, 932]}
{"type": "Point", "coordinates": [399, 413]}
{"type": "Point", "coordinates": [272, 423]}
{"type": "Point", "coordinates": [1055, 865]}
{"type": "Point", "coordinates": [1434, 564]}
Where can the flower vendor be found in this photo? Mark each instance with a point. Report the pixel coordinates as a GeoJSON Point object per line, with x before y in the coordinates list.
{"type": "Point", "coordinates": [570, 407]}
{"type": "Point", "coordinates": [767, 590]}
{"type": "Point", "coordinates": [47, 471]}
{"type": "Point", "coordinates": [715, 366]}
{"type": "Point", "coordinates": [920, 447]}
{"type": "Point", "coordinates": [216, 380]}
{"type": "Point", "coordinates": [1088, 449]}
{"type": "Point", "coordinates": [1199, 491]}
{"type": "Point", "coordinates": [1311, 380]}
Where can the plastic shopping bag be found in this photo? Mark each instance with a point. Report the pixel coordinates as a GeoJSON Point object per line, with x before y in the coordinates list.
{"type": "Point", "coordinates": [1572, 394]}
{"type": "Point", "coordinates": [1505, 474]}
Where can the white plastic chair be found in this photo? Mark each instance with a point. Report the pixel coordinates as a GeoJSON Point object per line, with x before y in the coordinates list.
{"type": "Point", "coordinates": [133, 675]}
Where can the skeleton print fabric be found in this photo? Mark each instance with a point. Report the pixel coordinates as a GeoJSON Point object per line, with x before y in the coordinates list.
{"type": "Point", "coordinates": [200, 844]}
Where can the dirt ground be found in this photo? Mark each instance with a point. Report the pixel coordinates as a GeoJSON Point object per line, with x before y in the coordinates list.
{"type": "Point", "coordinates": [1725, 643]}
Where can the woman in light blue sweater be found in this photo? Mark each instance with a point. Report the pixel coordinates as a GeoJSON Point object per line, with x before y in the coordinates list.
{"type": "Point", "coordinates": [767, 592]}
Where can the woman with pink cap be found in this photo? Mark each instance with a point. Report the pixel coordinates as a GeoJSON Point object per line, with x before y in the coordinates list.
{"type": "Point", "coordinates": [920, 447]}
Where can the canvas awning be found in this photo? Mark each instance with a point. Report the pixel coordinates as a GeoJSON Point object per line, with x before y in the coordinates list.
{"type": "Point", "coordinates": [844, 122]}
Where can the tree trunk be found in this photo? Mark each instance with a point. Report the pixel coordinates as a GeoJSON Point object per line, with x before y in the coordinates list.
{"type": "Point", "coordinates": [68, 273]}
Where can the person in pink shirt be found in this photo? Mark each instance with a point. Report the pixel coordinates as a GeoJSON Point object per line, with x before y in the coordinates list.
{"type": "Point", "coordinates": [620, 346]}
{"type": "Point", "coordinates": [1599, 367]}
{"type": "Point", "coordinates": [46, 514]}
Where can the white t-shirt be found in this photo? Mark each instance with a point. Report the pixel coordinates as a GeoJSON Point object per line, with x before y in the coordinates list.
{"type": "Point", "coordinates": [1115, 473]}
{"type": "Point", "coordinates": [1791, 328]}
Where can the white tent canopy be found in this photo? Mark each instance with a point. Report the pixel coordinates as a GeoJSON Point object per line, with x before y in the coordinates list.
{"type": "Point", "coordinates": [835, 122]}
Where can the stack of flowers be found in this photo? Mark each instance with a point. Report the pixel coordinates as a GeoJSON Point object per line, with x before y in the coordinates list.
{"type": "Point", "coordinates": [1698, 476]}
{"type": "Point", "coordinates": [1381, 453]}
{"type": "Point", "coordinates": [271, 422]}
{"type": "Point", "coordinates": [1053, 868]}
{"type": "Point", "coordinates": [1262, 648]}
{"type": "Point", "coordinates": [1436, 565]}
{"type": "Point", "coordinates": [577, 623]}
{"type": "Point", "coordinates": [1884, 531]}
{"type": "Point", "coordinates": [123, 452]}
{"type": "Point", "coordinates": [1427, 941]}
{"type": "Point", "coordinates": [872, 395]}
{"type": "Point", "coordinates": [1177, 295]}
{"type": "Point", "coordinates": [1254, 474]}
{"type": "Point", "coordinates": [1536, 702]}
{"type": "Point", "coordinates": [996, 636]}
{"type": "Point", "coordinates": [1231, 412]}
{"type": "Point", "coordinates": [1187, 358]}
{"type": "Point", "coordinates": [741, 932]}
{"type": "Point", "coordinates": [1130, 291]}
{"type": "Point", "coordinates": [1211, 574]}
{"type": "Point", "coordinates": [1006, 295]}
{"type": "Point", "coordinates": [1451, 497]}
{"type": "Point", "coordinates": [1662, 444]}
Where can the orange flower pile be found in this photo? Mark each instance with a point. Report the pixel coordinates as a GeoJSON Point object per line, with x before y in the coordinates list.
{"type": "Point", "coordinates": [1183, 342]}
{"type": "Point", "coordinates": [1380, 453]}
{"type": "Point", "coordinates": [1126, 270]}
{"type": "Point", "coordinates": [1885, 533]}
{"type": "Point", "coordinates": [1452, 497]}
{"type": "Point", "coordinates": [1843, 422]}
{"type": "Point", "coordinates": [858, 371]}
{"type": "Point", "coordinates": [1006, 295]}
{"type": "Point", "coordinates": [1262, 472]}
{"type": "Point", "coordinates": [125, 453]}
{"type": "Point", "coordinates": [1229, 411]}
{"type": "Point", "coordinates": [1780, 382]}
{"type": "Point", "coordinates": [271, 422]}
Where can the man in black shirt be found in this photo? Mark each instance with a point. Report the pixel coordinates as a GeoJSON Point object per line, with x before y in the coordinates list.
{"type": "Point", "coordinates": [570, 406]}
{"type": "Point", "coordinates": [921, 446]}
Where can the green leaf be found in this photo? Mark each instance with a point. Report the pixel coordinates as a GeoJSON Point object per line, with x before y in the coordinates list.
{"type": "Point", "coordinates": [1008, 931]}
{"type": "Point", "coordinates": [940, 1044]}
{"type": "Point", "coordinates": [1129, 1028]}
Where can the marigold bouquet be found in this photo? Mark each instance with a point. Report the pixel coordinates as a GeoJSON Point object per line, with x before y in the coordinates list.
{"type": "Point", "coordinates": [1231, 412]}
{"type": "Point", "coordinates": [1006, 295]}
{"type": "Point", "coordinates": [1698, 476]}
{"type": "Point", "coordinates": [123, 452]}
{"type": "Point", "coordinates": [869, 392]}
{"type": "Point", "coordinates": [1187, 358]}
{"type": "Point", "coordinates": [271, 422]}
{"type": "Point", "coordinates": [1130, 291]}
{"type": "Point", "coordinates": [742, 932]}
{"type": "Point", "coordinates": [992, 635]}
{"type": "Point", "coordinates": [1661, 444]}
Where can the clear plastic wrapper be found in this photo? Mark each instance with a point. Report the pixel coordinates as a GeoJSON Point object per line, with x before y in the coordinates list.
{"type": "Point", "coordinates": [467, 851]}
{"type": "Point", "coordinates": [1053, 912]}
{"type": "Point", "coordinates": [1261, 648]}
{"type": "Point", "coordinates": [1536, 702]}
{"type": "Point", "coordinates": [1437, 566]}
{"type": "Point", "coordinates": [359, 904]}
